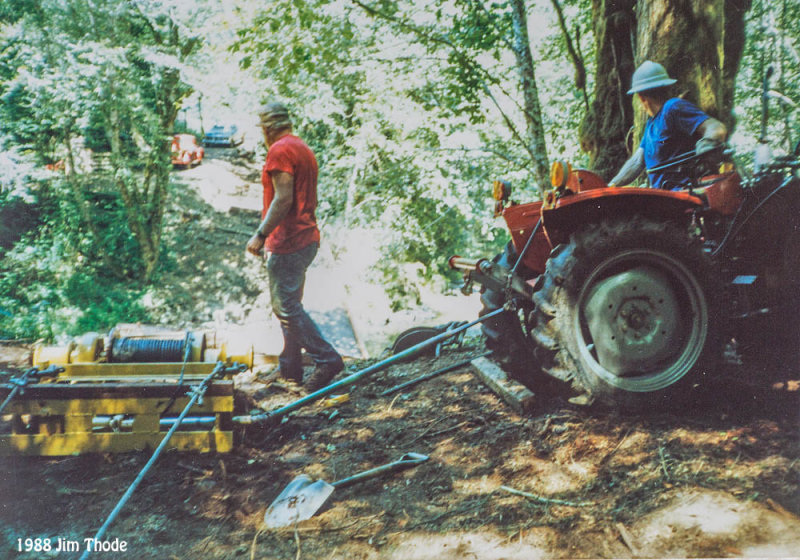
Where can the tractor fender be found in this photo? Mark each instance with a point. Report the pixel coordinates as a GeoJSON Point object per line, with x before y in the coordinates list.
{"type": "Point", "coordinates": [574, 212]}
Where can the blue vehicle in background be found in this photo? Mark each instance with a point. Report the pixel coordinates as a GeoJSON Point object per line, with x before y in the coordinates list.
{"type": "Point", "coordinates": [225, 136]}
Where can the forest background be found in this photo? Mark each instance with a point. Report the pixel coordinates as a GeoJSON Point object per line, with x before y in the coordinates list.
{"type": "Point", "coordinates": [413, 109]}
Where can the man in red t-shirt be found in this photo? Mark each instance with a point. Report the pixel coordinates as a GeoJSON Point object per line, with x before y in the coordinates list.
{"type": "Point", "coordinates": [289, 233]}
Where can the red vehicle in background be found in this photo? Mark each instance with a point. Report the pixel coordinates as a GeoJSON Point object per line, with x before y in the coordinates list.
{"type": "Point", "coordinates": [186, 152]}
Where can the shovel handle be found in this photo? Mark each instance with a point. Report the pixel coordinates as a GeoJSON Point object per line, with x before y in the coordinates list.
{"type": "Point", "coordinates": [407, 460]}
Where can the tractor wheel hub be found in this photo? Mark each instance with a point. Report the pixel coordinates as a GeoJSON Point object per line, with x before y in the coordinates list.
{"type": "Point", "coordinates": [638, 319]}
{"type": "Point", "coordinates": [634, 320]}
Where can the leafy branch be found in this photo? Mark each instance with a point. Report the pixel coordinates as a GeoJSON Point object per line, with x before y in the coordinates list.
{"type": "Point", "coordinates": [573, 50]}
{"type": "Point", "coordinates": [472, 66]}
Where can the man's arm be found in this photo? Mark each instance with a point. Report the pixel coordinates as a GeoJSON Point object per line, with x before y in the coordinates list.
{"type": "Point", "coordinates": [632, 169]}
{"type": "Point", "coordinates": [712, 134]}
{"type": "Point", "coordinates": [279, 208]}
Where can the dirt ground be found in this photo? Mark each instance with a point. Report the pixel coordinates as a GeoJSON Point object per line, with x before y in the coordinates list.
{"type": "Point", "coordinates": [719, 478]}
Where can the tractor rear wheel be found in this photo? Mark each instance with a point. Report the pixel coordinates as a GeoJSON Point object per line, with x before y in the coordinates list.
{"type": "Point", "coordinates": [628, 312]}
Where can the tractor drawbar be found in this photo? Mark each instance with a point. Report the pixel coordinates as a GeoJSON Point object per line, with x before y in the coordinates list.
{"type": "Point", "coordinates": [490, 274]}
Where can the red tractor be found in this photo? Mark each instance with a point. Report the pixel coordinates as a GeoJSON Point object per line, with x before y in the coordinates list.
{"type": "Point", "coordinates": [632, 294]}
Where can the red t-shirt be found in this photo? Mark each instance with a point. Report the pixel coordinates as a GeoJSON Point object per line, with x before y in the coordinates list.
{"type": "Point", "coordinates": [299, 228]}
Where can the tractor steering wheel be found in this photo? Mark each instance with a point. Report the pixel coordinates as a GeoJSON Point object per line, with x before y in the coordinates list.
{"type": "Point", "coordinates": [676, 161]}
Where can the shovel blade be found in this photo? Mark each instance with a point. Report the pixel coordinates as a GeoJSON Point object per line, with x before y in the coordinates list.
{"type": "Point", "coordinates": [299, 501]}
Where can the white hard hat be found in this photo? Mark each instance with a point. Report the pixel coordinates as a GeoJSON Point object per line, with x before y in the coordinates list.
{"type": "Point", "coordinates": [649, 75]}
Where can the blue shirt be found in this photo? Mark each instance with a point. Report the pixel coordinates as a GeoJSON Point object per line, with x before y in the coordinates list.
{"type": "Point", "coordinates": [667, 134]}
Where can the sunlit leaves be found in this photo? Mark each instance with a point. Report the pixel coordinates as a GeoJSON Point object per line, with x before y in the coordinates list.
{"type": "Point", "coordinates": [81, 70]}
{"type": "Point", "coordinates": [772, 40]}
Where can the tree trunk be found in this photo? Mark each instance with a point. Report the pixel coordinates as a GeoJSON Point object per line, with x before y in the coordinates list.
{"type": "Point", "coordinates": [534, 130]}
{"type": "Point", "coordinates": [610, 117]}
{"type": "Point", "coordinates": [129, 193]}
{"type": "Point", "coordinates": [735, 11]}
{"type": "Point", "coordinates": [169, 94]}
{"type": "Point", "coordinates": [157, 182]}
{"type": "Point", "coordinates": [145, 196]}
{"type": "Point", "coordinates": [359, 162]}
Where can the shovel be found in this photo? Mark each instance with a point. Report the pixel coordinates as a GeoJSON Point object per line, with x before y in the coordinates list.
{"type": "Point", "coordinates": [302, 498]}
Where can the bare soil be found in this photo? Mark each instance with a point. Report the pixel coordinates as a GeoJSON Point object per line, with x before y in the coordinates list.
{"type": "Point", "coordinates": [719, 478]}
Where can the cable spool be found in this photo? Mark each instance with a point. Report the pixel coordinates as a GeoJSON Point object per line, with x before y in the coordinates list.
{"type": "Point", "coordinates": [146, 350]}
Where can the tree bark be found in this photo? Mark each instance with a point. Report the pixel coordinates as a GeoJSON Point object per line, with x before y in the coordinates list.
{"type": "Point", "coordinates": [610, 117]}
{"type": "Point", "coordinates": [359, 161]}
{"type": "Point", "coordinates": [735, 11]}
{"type": "Point", "coordinates": [145, 196]}
{"type": "Point", "coordinates": [573, 50]}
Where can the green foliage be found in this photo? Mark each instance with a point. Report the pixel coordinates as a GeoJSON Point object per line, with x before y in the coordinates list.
{"type": "Point", "coordinates": [53, 283]}
{"type": "Point", "coordinates": [73, 303]}
{"type": "Point", "coordinates": [566, 104]}
{"type": "Point", "coordinates": [412, 108]}
{"type": "Point", "coordinates": [103, 75]}
{"type": "Point", "coordinates": [477, 33]}
{"type": "Point", "coordinates": [772, 40]}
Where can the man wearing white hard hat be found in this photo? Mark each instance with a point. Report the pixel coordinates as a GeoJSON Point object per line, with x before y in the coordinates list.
{"type": "Point", "coordinates": [674, 127]}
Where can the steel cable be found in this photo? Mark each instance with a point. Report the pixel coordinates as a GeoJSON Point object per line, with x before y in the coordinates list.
{"type": "Point", "coordinates": [197, 393]}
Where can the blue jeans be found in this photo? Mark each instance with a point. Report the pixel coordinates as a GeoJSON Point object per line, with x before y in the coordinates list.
{"type": "Point", "coordinates": [287, 277]}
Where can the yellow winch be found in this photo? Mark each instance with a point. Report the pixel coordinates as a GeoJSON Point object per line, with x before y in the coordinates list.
{"type": "Point", "coordinates": [121, 392]}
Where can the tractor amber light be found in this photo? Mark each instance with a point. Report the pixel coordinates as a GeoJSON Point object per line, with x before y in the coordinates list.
{"type": "Point", "coordinates": [559, 171]}
{"type": "Point", "coordinates": [501, 190]}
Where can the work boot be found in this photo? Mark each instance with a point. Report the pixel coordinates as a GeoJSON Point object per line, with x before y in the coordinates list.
{"type": "Point", "coordinates": [322, 375]}
{"type": "Point", "coordinates": [295, 376]}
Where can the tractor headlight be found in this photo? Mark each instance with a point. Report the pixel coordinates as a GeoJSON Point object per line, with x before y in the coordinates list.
{"type": "Point", "coordinates": [501, 191]}
{"type": "Point", "coordinates": [559, 173]}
